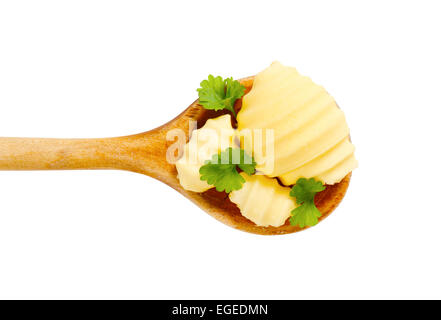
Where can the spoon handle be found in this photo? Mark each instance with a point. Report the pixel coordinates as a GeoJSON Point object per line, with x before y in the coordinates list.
{"type": "Point", "coordinates": [142, 153]}
{"type": "Point", "coordinates": [58, 154]}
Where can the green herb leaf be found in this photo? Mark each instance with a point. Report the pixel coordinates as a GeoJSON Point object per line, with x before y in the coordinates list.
{"type": "Point", "coordinates": [217, 94]}
{"type": "Point", "coordinates": [221, 170]}
{"type": "Point", "coordinates": [306, 214]}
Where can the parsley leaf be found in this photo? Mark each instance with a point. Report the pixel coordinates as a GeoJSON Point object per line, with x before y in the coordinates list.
{"type": "Point", "coordinates": [221, 170]}
{"type": "Point", "coordinates": [217, 94]}
{"type": "Point", "coordinates": [306, 214]}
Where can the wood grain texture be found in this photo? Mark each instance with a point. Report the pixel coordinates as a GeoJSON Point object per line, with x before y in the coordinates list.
{"type": "Point", "coordinates": [145, 153]}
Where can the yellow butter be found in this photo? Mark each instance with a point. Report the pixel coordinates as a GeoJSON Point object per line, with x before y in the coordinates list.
{"type": "Point", "coordinates": [307, 126]}
{"type": "Point", "coordinates": [337, 173]}
{"type": "Point", "coordinates": [263, 201]}
{"type": "Point", "coordinates": [215, 136]}
{"type": "Point", "coordinates": [321, 166]}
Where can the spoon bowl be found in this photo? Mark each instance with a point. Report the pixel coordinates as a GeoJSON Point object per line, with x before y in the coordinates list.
{"type": "Point", "coordinates": [145, 153]}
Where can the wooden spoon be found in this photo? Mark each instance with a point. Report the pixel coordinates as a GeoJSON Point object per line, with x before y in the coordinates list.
{"type": "Point", "coordinates": [146, 153]}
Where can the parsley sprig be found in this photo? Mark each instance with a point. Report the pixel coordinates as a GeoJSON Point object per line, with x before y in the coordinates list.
{"type": "Point", "coordinates": [216, 93]}
{"type": "Point", "coordinates": [221, 171]}
{"type": "Point", "coordinates": [306, 214]}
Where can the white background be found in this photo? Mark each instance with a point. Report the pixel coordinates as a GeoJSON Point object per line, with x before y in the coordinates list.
{"type": "Point", "coordinates": [109, 68]}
